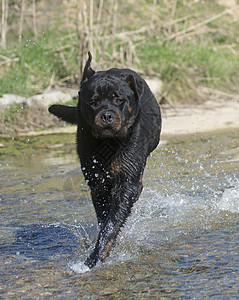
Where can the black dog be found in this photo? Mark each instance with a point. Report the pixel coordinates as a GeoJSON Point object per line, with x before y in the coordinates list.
{"type": "Point", "coordinates": [119, 124]}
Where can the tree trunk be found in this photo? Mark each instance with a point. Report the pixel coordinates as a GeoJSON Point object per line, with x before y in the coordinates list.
{"type": "Point", "coordinates": [21, 20]}
{"type": "Point", "coordinates": [34, 18]}
{"type": "Point", "coordinates": [84, 33]}
{"type": "Point", "coordinates": [4, 23]}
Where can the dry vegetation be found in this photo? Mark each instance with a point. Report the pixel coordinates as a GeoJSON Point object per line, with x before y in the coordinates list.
{"type": "Point", "coordinates": [189, 44]}
{"type": "Point", "coordinates": [144, 35]}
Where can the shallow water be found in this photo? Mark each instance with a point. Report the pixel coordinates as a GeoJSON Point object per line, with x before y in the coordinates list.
{"type": "Point", "coordinates": [181, 241]}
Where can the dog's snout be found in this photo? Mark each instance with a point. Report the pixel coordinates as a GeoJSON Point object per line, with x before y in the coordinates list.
{"type": "Point", "coordinates": [107, 117]}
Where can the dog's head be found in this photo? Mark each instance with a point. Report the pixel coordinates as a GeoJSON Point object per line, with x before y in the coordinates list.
{"type": "Point", "coordinates": [108, 101]}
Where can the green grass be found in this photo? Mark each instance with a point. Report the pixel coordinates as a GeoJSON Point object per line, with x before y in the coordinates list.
{"type": "Point", "coordinates": [183, 65]}
{"type": "Point", "coordinates": [38, 62]}
{"type": "Point", "coordinates": [11, 111]}
{"type": "Point", "coordinates": [35, 145]}
{"type": "Point", "coordinates": [173, 60]}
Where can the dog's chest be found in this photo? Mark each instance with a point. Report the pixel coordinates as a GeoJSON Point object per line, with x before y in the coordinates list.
{"type": "Point", "coordinates": [107, 151]}
{"type": "Point", "coordinates": [102, 161]}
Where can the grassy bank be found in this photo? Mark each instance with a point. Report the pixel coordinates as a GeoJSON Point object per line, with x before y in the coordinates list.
{"type": "Point", "coordinates": [59, 143]}
{"type": "Point", "coordinates": [184, 58]}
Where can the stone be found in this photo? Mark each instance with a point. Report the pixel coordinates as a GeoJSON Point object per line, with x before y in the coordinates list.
{"type": "Point", "coordinates": [48, 98]}
{"type": "Point", "coordinates": [8, 99]}
{"type": "Point", "coordinates": [155, 84]}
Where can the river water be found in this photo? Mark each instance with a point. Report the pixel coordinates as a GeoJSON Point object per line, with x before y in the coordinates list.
{"type": "Point", "coordinates": [181, 240]}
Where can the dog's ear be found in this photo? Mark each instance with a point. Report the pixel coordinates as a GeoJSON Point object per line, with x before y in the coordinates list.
{"type": "Point", "coordinates": [88, 72]}
{"type": "Point", "coordinates": [136, 85]}
{"type": "Point", "coordinates": [63, 112]}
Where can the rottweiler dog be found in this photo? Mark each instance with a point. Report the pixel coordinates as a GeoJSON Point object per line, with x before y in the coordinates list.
{"type": "Point", "coordinates": [119, 124]}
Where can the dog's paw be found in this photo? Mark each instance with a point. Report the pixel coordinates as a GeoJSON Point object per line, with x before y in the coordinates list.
{"type": "Point", "coordinates": [91, 262]}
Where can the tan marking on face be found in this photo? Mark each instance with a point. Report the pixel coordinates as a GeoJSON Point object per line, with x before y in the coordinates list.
{"type": "Point", "coordinates": [130, 109]}
{"type": "Point", "coordinates": [98, 121]}
{"type": "Point", "coordinates": [107, 251]}
{"type": "Point", "coordinates": [116, 124]}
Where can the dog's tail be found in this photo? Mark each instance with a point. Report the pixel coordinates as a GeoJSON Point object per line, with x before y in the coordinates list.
{"type": "Point", "coordinates": [63, 112]}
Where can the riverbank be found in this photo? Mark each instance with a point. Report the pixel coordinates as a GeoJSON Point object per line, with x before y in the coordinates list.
{"type": "Point", "coordinates": [219, 112]}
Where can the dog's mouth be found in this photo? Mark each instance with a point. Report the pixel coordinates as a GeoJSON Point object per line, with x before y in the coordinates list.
{"type": "Point", "coordinates": [107, 124]}
{"type": "Point", "coordinates": [104, 133]}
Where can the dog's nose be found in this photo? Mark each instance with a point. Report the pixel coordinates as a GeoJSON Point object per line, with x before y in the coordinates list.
{"type": "Point", "coordinates": [107, 117]}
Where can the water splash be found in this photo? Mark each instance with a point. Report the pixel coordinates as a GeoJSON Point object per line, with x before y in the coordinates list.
{"type": "Point", "coordinates": [158, 218]}
{"type": "Point", "coordinates": [78, 267]}
{"type": "Point", "coordinates": [230, 199]}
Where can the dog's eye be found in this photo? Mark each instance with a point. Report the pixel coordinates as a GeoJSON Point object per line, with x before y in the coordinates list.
{"type": "Point", "coordinates": [118, 101]}
{"type": "Point", "coordinates": [93, 104]}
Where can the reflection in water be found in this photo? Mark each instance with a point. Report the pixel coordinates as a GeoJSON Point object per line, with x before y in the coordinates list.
{"type": "Point", "coordinates": [42, 242]}
{"type": "Point", "coordinates": [181, 240]}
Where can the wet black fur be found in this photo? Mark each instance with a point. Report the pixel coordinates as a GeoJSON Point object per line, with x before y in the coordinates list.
{"type": "Point", "coordinates": [119, 124]}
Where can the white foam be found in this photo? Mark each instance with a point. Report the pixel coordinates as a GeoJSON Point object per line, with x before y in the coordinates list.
{"type": "Point", "coordinates": [157, 217]}
{"type": "Point", "coordinates": [79, 267]}
{"type": "Point", "coordinates": [230, 200]}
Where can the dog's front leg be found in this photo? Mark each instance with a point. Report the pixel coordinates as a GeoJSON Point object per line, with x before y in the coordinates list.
{"type": "Point", "coordinates": [123, 200]}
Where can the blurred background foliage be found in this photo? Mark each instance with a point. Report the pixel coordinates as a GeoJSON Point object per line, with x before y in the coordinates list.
{"type": "Point", "coordinates": [186, 43]}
